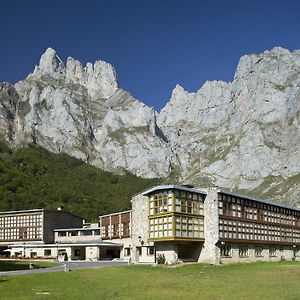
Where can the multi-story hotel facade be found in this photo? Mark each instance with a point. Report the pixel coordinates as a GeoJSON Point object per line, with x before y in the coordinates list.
{"type": "Point", "coordinates": [179, 223]}
{"type": "Point", "coordinates": [213, 226]}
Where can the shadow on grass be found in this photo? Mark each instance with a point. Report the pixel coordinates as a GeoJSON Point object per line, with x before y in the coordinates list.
{"type": "Point", "coordinates": [20, 265]}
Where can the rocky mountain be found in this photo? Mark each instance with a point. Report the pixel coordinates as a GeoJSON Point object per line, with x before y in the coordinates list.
{"type": "Point", "coordinates": [243, 135]}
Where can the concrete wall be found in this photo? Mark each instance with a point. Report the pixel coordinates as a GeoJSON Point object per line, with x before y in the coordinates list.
{"type": "Point", "coordinates": [92, 253]}
{"type": "Point", "coordinates": [39, 250]}
{"type": "Point", "coordinates": [76, 239]}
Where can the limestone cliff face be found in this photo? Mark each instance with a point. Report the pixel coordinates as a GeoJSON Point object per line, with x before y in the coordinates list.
{"type": "Point", "coordinates": [241, 135]}
{"type": "Point", "coordinates": [83, 112]}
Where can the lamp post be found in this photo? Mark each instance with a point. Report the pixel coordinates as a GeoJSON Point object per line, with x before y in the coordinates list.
{"type": "Point", "coordinates": [56, 250]}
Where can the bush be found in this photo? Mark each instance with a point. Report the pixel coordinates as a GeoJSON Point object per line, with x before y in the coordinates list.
{"type": "Point", "coordinates": [161, 259]}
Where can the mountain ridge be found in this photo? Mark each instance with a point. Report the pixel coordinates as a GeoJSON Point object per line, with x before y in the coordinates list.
{"type": "Point", "coordinates": [241, 134]}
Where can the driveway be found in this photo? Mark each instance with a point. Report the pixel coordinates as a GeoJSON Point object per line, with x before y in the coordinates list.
{"type": "Point", "coordinates": [69, 266]}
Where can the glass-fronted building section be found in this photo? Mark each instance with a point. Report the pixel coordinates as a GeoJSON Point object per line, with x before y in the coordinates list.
{"type": "Point", "coordinates": [176, 214]}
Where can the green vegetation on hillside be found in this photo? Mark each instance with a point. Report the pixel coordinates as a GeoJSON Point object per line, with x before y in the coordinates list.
{"type": "Point", "coordinates": [241, 281]}
{"type": "Point", "coordinates": [32, 177]}
{"type": "Point", "coordinates": [274, 187]}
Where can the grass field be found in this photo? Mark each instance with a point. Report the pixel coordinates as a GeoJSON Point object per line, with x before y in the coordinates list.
{"type": "Point", "coordinates": [10, 265]}
{"type": "Point", "coordinates": [261, 281]}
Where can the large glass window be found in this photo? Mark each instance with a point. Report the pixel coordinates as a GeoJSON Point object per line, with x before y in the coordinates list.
{"type": "Point", "coordinates": [160, 227]}
{"type": "Point", "coordinates": [176, 214]}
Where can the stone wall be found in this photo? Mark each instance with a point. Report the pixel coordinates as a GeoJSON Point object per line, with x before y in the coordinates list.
{"type": "Point", "coordinates": [281, 253]}
{"type": "Point", "coordinates": [140, 228]}
{"type": "Point", "coordinates": [210, 251]}
{"type": "Point", "coordinates": [169, 250]}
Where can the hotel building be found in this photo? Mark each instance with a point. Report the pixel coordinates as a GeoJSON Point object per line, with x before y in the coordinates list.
{"type": "Point", "coordinates": [181, 223]}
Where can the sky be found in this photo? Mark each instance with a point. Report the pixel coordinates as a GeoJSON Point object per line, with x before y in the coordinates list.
{"type": "Point", "coordinates": [152, 44]}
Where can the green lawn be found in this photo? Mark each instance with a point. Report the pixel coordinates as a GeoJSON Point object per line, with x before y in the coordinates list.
{"type": "Point", "coordinates": [10, 265]}
{"type": "Point", "coordinates": [261, 281]}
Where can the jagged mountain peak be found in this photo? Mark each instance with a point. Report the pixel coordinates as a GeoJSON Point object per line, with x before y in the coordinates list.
{"type": "Point", "coordinates": [50, 63]}
{"type": "Point", "coordinates": [240, 134]}
{"type": "Point", "coordinates": [99, 78]}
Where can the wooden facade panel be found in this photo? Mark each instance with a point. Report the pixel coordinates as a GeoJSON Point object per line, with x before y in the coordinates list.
{"type": "Point", "coordinates": [244, 220]}
{"type": "Point", "coordinates": [116, 225]}
{"type": "Point", "coordinates": [115, 219]}
{"type": "Point", "coordinates": [105, 220]}
{"type": "Point", "coordinates": [125, 217]}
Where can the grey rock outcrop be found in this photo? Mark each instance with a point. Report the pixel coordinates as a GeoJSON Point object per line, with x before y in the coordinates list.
{"type": "Point", "coordinates": [83, 112]}
{"type": "Point", "coordinates": [243, 135]}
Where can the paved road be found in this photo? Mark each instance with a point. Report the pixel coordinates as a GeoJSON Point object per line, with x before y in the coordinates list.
{"type": "Point", "coordinates": [69, 265]}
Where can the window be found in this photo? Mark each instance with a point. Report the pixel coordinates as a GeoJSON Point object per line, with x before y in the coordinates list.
{"type": "Point", "coordinates": [47, 252]}
{"type": "Point", "coordinates": [150, 250]}
{"type": "Point", "coordinates": [77, 252]}
{"type": "Point", "coordinates": [61, 233]}
{"type": "Point", "coordinates": [295, 251]}
{"type": "Point", "coordinates": [22, 233]}
{"type": "Point", "coordinates": [125, 229]}
{"type": "Point", "coordinates": [87, 232]}
{"type": "Point", "coordinates": [61, 251]}
{"type": "Point", "coordinates": [139, 250]}
{"type": "Point", "coordinates": [272, 252]}
{"type": "Point", "coordinates": [104, 231]}
{"type": "Point", "coordinates": [160, 227]}
{"type": "Point", "coordinates": [127, 251]}
{"type": "Point", "coordinates": [258, 252]}
{"type": "Point", "coordinates": [225, 251]}
{"type": "Point", "coordinates": [115, 229]}
{"type": "Point", "coordinates": [243, 251]}
{"type": "Point", "coordinates": [97, 232]}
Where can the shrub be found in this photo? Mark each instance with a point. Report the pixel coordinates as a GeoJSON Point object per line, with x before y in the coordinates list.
{"type": "Point", "coordinates": [161, 259]}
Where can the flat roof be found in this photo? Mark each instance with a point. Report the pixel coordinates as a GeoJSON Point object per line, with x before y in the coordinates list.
{"type": "Point", "coordinates": [21, 211]}
{"type": "Point", "coordinates": [173, 187]}
{"type": "Point", "coordinates": [88, 243]}
{"type": "Point", "coordinates": [38, 210]}
{"type": "Point", "coordinates": [270, 202]}
{"type": "Point", "coordinates": [116, 213]}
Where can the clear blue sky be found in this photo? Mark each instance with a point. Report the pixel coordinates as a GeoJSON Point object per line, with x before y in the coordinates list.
{"type": "Point", "coordinates": [153, 44]}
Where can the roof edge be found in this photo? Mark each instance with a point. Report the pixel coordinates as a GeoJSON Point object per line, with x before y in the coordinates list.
{"type": "Point", "coordinates": [171, 186]}
{"type": "Point", "coordinates": [264, 201]}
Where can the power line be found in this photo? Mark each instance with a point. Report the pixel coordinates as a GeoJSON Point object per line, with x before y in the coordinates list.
{"type": "Point", "coordinates": [213, 58]}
